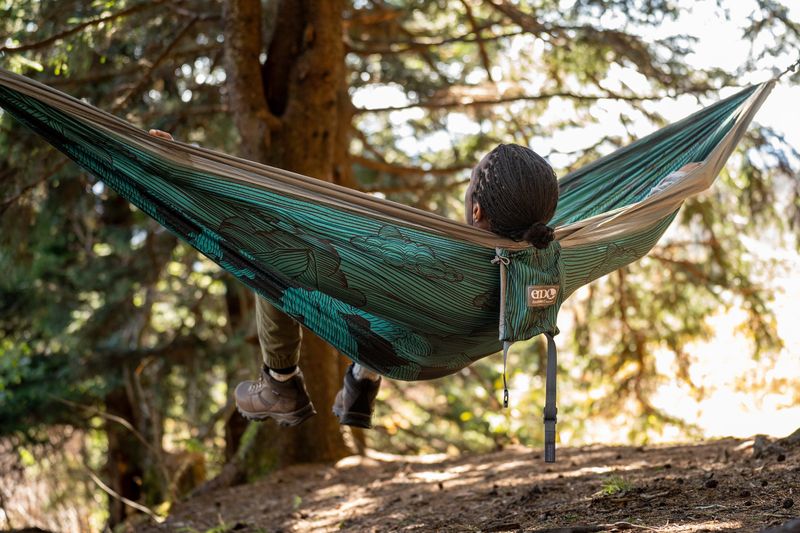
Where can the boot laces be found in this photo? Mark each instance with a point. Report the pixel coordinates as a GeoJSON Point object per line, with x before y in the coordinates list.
{"type": "Point", "coordinates": [256, 386]}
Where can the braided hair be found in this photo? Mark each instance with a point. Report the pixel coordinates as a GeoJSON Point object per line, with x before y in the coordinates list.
{"type": "Point", "coordinates": [518, 191]}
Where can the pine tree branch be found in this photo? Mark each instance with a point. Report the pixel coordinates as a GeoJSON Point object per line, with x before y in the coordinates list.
{"type": "Point", "coordinates": [77, 28]}
{"type": "Point", "coordinates": [130, 503]}
{"type": "Point", "coordinates": [399, 47]}
{"type": "Point", "coordinates": [400, 170]}
{"type": "Point", "coordinates": [426, 55]}
{"type": "Point", "coordinates": [455, 103]}
{"type": "Point", "coordinates": [111, 418]}
{"type": "Point", "coordinates": [127, 425]}
{"type": "Point", "coordinates": [479, 37]}
{"type": "Point", "coordinates": [382, 165]}
{"type": "Point", "coordinates": [131, 93]}
{"type": "Point", "coordinates": [623, 45]}
{"type": "Point", "coordinates": [523, 20]}
{"type": "Point", "coordinates": [371, 17]}
{"type": "Point", "coordinates": [97, 76]}
{"type": "Point", "coordinates": [7, 202]}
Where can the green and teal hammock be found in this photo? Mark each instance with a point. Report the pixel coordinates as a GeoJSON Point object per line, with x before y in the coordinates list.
{"type": "Point", "coordinates": [406, 293]}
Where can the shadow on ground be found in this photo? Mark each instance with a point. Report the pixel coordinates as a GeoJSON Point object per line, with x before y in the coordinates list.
{"type": "Point", "coordinates": [714, 486]}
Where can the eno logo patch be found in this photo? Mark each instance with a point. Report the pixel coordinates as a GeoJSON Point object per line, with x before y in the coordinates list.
{"type": "Point", "coordinates": [542, 295]}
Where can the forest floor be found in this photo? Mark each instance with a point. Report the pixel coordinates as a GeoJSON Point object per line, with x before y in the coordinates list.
{"type": "Point", "coordinates": [721, 485]}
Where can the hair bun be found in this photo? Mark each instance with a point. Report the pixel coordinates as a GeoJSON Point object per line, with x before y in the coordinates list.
{"type": "Point", "coordinates": [539, 235]}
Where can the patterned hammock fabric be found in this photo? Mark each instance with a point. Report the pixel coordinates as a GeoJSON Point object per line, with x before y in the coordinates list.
{"type": "Point", "coordinates": [407, 293]}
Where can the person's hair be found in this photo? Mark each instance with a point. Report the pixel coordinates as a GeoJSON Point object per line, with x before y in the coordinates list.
{"type": "Point", "coordinates": [518, 193]}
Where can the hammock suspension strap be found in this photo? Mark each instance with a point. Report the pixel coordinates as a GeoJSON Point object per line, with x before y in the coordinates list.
{"type": "Point", "coordinates": [550, 409]}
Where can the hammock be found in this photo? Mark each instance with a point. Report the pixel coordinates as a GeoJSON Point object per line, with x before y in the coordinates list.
{"type": "Point", "coordinates": [406, 293]}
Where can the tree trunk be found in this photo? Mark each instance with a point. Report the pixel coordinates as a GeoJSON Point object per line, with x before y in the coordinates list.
{"type": "Point", "coordinates": [288, 111]}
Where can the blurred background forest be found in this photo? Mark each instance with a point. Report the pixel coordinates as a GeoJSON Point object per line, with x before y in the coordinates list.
{"type": "Point", "coordinates": [119, 345]}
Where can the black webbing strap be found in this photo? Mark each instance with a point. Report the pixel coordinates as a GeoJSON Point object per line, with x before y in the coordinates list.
{"type": "Point", "coordinates": [550, 409]}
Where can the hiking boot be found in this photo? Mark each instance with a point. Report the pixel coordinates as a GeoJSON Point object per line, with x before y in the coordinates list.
{"type": "Point", "coordinates": [354, 403]}
{"type": "Point", "coordinates": [285, 401]}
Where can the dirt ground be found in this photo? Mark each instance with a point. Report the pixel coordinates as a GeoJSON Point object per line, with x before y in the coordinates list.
{"type": "Point", "coordinates": [723, 485]}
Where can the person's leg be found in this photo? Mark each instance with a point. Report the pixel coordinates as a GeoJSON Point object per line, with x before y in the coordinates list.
{"type": "Point", "coordinates": [360, 372]}
{"type": "Point", "coordinates": [355, 402]}
{"type": "Point", "coordinates": [280, 392]}
{"type": "Point", "coordinates": [279, 336]}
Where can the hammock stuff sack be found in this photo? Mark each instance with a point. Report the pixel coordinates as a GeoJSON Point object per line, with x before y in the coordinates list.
{"type": "Point", "coordinates": [406, 293]}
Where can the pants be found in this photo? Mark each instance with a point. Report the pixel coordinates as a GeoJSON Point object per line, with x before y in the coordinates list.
{"type": "Point", "coordinates": [278, 334]}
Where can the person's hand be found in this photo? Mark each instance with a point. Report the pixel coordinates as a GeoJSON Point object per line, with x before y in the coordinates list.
{"type": "Point", "coordinates": [162, 134]}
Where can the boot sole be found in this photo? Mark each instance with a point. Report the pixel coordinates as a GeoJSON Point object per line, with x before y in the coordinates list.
{"type": "Point", "coordinates": [359, 420]}
{"type": "Point", "coordinates": [283, 419]}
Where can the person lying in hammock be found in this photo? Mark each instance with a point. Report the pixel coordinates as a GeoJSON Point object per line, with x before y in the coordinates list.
{"type": "Point", "coordinates": [512, 192]}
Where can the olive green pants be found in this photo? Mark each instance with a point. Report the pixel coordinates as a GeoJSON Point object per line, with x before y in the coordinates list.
{"type": "Point", "coordinates": [278, 334]}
